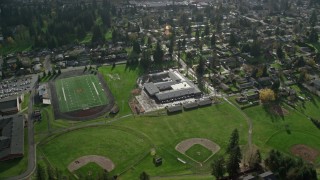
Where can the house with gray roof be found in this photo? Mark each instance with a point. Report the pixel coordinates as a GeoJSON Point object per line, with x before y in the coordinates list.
{"type": "Point", "coordinates": [11, 137]}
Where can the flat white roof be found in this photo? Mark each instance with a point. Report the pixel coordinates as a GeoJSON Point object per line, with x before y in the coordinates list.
{"type": "Point", "coordinates": [179, 75]}
{"type": "Point", "coordinates": [182, 85]}
{"type": "Point", "coordinates": [46, 101]}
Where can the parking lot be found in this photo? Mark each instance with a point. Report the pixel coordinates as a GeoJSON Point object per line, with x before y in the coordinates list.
{"type": "Point", "coordinates": [15, 86]}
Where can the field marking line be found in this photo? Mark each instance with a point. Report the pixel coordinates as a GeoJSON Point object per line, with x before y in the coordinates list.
{"type": "Point", "coordinates": [95, 88]}
{"type": "Point", "coordinates": [65, 97]}
{"type": "Point", "coordinates": [98, 97]}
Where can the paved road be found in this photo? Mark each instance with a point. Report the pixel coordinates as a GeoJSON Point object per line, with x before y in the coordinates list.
{"type": "Point", "coordinates": [31, 144]}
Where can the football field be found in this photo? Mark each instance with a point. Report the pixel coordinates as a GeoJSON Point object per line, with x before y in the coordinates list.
{"type": "Point", "coordinates": [80, 93]}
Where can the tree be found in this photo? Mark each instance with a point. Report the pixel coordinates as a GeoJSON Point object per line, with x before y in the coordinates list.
{"type": "Point", "coordinates": [97, 34]}
{"type": "Point", "coordinates": [136, 47]}
{"type": "Point", "coordinates": [313, 18]}
{"type": "Point", "coordinates": [233, 141]}
{"type": "Point", "coordinates": [207, 30]}
{"type": "Point", "coordinates": [145, 60]}
{"type": "Point", "coordinates": [158, 54]}
{"type": "Point", "coordinates": [144, 176]}
{"type": "Point", "coordinates": [41, 172]}
{"type": "Point", "coordinates": [280, 53]}
{"type": "Point", "coordinates": [255, 161]}
{"type": "Point", "coordinates": [200, 68]}
{"type": "Point", "coordinates": [197, 35]}
{"type": "Point", "coordinates": [85, 68]}
{"type": "Point", "coordinates": [52, 174]}
{"type": "Point", "coordinates": [232, 39]}
{"type": "Point", "coordinates": [286, 167]}
{"type": "Point", "coordinates": [255, 49]}
{"type": "Point", "coordinates": [44, 74]}
{"type": "Point", "coordinates": [266, 95]}
{"type": "Point", "coordinates": [59, 71]}
{"type": "Point", "coordinates": [313, 36]}
{"type": "Point", "coordinates": [213, 40]}
{"type": "Point", "coordinates": [49, 73]}
{"type": "Point", "coordinates": [233, 164]}
{"type": "Point", "coordinates": [218, 167]}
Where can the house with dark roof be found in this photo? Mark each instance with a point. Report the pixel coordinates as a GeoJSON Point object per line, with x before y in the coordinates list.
{"type": "Point", "coordinates": [11, 105]}
{"type": "Point", "coordinates": [11, 137]}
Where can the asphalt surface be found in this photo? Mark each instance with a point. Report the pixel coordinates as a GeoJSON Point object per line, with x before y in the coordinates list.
{"type": "Point", "coordinates": [31, 144]}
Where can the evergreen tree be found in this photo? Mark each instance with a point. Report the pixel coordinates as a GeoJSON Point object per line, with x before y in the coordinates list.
{"type": "Point", "coordinates": [313, 18]}
{"type": "Point", "coordinates": [136, 47]}
{"type": "Point", "coordinates": [49, 73]}
{"type": "Point", "coordinates": [280, 53]}
{"type": "Point", "coordinates": [158, 54]}
{"type": "Point", "coordinates": [234, 141]}
{"type": "Point", "coordinates": [97, 34]}
{"type": "Point", "coordinates": [144, 176]}
{"type": "Point", "coordinates": [201, 67]}
{"type": "Point", "coordinates": [41, 172]}
{"type": "Point", "coordinates": [218, 167]}
{"type": "Point", "coordinates": [313, 36]}
{"type": "Point", "coordinates": [232, 39]}
{"type": "Point", "coordinates": [207, 30]}
{"type": "Point", "coordinates": [44, 74]}
{"type": "Point", "coordinates": [233, 164]}
{"type": "Point", "coordinates": [213, 40]}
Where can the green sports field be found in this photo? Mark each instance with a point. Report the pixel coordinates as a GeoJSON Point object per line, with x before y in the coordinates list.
{"type": "Point", "coordinates": [81, 92]}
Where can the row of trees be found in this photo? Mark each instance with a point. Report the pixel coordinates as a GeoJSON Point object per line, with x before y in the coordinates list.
{"type": "Point", "coordinates": [286, 167]}
{"type": "Point", "coordinates": [53, 25]}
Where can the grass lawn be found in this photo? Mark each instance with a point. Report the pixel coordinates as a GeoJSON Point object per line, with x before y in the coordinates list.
{"type": "Point", "coordinates": [121, 81]}
{"type": "Point", "coordinates": [48, 124]}
{"type": "Point", "coordinates": [198, 153]}
{"type": "Point", "coordinates": [215, 123]}
{"type": "Point", "coordinates": [87, 38]}
{"type": "Point", "coordinates": [16, 166]}
{"type": "Point", "coordinates": [80, 92]}
{"type": "Point", "coordinates": [108, 35]}
{"type": "Point", "coordinates": [285, 141]}
{"type": "Point", "coordinates": [17, 47]}
{"type": "Point", "coordinates": [91, 170]}
{"type": "Point", "coordinates": [25, 102]}
{"type": "Point", "coordinates": [308, 107]}
{"type": "Point", "coordinates": [165, 132]}
{"type": "Point", "coordinates": [267, 126]}
{"type": "Point", "coordinates": [123, 148]}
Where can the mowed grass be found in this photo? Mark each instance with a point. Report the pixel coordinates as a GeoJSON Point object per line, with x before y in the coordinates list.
{"type": "Point", "coordinates": [272, 131]}
{"type": "Point", "coordinates": [80, 92]}
{"type": "Point", "coordinates": [91, 170]}
{"type": "Point", "coordinates": [215, 123]}
{"type": "Point", "coordinates": [121, 81]}
{"type": "Point", "coordinates": [164, 132]}
{"type": "Point", "coordinates": [122, 147]}
{"type": "Point", "coordinates": [285, 141]}
{"type": "Point", "coordinates": [198, 153]}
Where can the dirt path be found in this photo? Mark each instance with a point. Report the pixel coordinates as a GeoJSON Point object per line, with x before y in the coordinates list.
{"type": "Point", "coordinates": [103, 162]}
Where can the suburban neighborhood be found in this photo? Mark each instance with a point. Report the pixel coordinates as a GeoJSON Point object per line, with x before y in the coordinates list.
{"type": "Point", "coordinates": [149, 89]}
